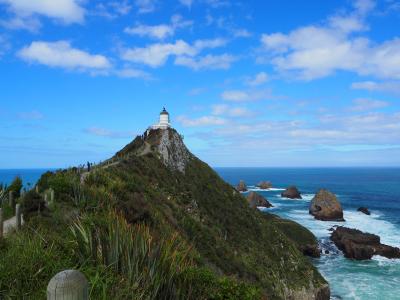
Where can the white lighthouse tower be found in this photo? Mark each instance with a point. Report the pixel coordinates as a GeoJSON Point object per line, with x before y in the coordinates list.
{"type": "Point", "coordinates": [163, 122]}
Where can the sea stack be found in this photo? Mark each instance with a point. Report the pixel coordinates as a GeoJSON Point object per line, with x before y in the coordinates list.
{"type": "Point", "coordinates": [358, 245]}
{"type": "Point", "coordinates": [264, 185]}
{"type": "Point", "coordinates": [255, 200]}
{"type": "Point", "coordinates": [364, 210]}
{"type": "Point", "coordinates": [241, 187]}
{"type": "Point", "coordinates": [291, 192]}
{"type": "Point", "coordinates": [326, 207]}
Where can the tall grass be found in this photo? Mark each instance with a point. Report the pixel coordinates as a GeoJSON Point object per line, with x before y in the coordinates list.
{"type": "Point", "coordinates": [154, 267]}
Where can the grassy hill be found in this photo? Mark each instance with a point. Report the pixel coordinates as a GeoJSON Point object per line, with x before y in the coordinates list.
{"type": "Point", "coordinates": [155, 222]}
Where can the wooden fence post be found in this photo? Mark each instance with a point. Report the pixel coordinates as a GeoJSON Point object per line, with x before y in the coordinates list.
{"type": "Point", "coordinates": [18, 215]}
{"type": "Point", "coordinates": [51, 196]}
{"type": "Point", "coordinates": [68, 285]}
{"type": "Point", "coordinates": [1, 223]}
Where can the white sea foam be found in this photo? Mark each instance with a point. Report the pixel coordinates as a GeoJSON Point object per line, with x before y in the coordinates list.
{"type": "Point", "coordinates": [388, 232]}
{"type": "Point", "coordinates": [255, 189]}
{"type": "Point", "coordinates": [305, 197]}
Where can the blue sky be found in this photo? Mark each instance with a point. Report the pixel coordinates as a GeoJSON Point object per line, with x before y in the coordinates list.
{"type": "Point", "coordinates": [248, 83]}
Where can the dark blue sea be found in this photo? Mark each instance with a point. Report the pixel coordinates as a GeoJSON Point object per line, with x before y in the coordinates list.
{"type": "Point", "coordinates": [376, 188]}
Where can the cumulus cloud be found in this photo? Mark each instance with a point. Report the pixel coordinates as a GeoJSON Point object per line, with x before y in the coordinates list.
{"type": "Point", "coordinates": [155, 55]}
{"type": "Point", "coordinates": [317, 51]}
{"type": "Point", "coordinates": [146, 6]}
{"type": "Point", "coordinates": [103, 132]}
{"type": "Point", "coordinates": [66, 11]}
{"type": "Point", "coordinates": [61, 54]}
{"type": "Point", "coordinates": [245, 95]}
{"type": "Point", "coordinates": [187, 3]}
{"type": "Point", "coordinates": [112, 9]}
{"type": "Point", "coordinates": [226, 110]}
{"type": "Point", "coordinates": [161, 31]}
{"type": "Point", "coordinates": [210, 62]}
{"type": "Point", "coordinates": [388, 86]}
{"type": "Point", "coordinates": [363, 104]}
{"type": "Point", "coordinates": [201, 121]}
{"type": "Point", "coordinates": [258, 79]}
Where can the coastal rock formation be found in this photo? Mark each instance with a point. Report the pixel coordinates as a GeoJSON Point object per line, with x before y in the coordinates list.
{"type": "Point", "coordinates": [326, 207]}
{"type": "Point", "coordinates": [264, 185]}
{"type": "Point", "coordinates": [364, 210]}
{"type": "Point", "coordinates": [255, 200]}
{"type": "Point", "coordinates": [241, 187]}
{"type": "Point", "coordinates": [291, 192]}
{"type": "Point", "coordinates": [359, 245]}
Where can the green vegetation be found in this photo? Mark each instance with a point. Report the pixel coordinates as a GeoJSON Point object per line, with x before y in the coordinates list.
{"type": "Point", "coordinates": [136, 227]}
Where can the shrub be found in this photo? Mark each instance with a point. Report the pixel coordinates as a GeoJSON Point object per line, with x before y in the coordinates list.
{"type": "Point", "coordinates": [32, 203]}
{"type": "Point", "coordinates": [154, 267]}
{"type": "Point", "coordinates": [15, 187]}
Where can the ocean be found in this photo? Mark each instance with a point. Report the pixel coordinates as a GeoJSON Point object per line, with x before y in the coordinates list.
{"type": "Point", "coordinates": [376, 188]}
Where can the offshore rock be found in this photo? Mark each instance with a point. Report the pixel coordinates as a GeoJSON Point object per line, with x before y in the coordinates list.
{"type": "Point", "coordinates": [241, 187]}
{"type": "Point", "coordinates": [326, 207]}
{"type": "Point", "coordinates": [291, 192]}
{"type": "Point", "coordinates": [364, 210]}
{"type": "Point", "coordinates": [358, 245]}
{"type": "Point", "coordinates": [264, 185]}
{"type": "Point", "coordinates": [254, 199]}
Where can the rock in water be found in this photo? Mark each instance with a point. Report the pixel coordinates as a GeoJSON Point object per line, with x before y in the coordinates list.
{"type": "Point", "coordinates": [292, 193]}
{"type": "Point", "coordinates": [364, 210]}
{"type": "Point", "coordinates": [264, 185]}
{"type": "Point", "coordinates": [326, 207]}
{"type": "Point", "coordinates": [359, 245]}
{"type": "Point", "coordinates": [256, 199]}
{"type": "Point", "coordinates": [241, 187]}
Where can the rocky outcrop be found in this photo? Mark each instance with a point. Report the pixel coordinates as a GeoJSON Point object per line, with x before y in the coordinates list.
{"type": "Point", "coordinates": [264, 185]}
{"type": "Point", "coordinates": [358, 245]}
{"type": "Point", "coordinates": [291, 192]}
{"type": "Point", "coordinates": [254, 199]}
{"type": "Point", "coordinates": [326, 207]}
{"type": "Point", "coordinates": [241, 187]}
{"type": "Point", "coordinates": [364, 210]}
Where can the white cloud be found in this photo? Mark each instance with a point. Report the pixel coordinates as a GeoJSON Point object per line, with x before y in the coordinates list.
{"type": "Point", "coordinates": [201, 122]}
{"type": "Point", "coordinates": [363, 104]}
{"type": "Point", "coordinates": [112, 10]}
{"type": "Point", "coordinates": [187, 3]}
{"type": "Point", "coordinates": [241, 33]}
{"type": "Point", "coordinates": [132, 73]}
{"type": "Point", "coordinates": [245, 96]}
{"type": "Point", "coordinates": [31, 24]}
{"type": "Point", "coordinates": [61, 54]}
{"type": "Point", "coordinates": [103, 132]}
{"type": "Point", "coordinates": [146, 6]}
{"type": "Point", "coordinates": [258, 79]}
{"type": "Point", "coordinates": [158, 31]}
{"type": "Point", "coordinates": [67, 11]}
{"type": "Point", "coordinates": [226, 110]}
{"type": "Point", "coordinates": [389, 86]}
{"type": "Point", "coordinates": [210, 62]}
{"type": "Point", "coordinates": [161, 31]}
{"type": "Point", "coordinates": [5, 45]}
{"type": "Point", "coordinates": [317, 51]}
{"type": "Point", "coordinates": [155, 55]}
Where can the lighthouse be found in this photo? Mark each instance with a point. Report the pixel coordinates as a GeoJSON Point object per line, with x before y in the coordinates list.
{"type": "Point", "coordinates": [163, 122]}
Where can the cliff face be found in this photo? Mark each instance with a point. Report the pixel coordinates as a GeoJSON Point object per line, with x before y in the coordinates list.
{"type": "Point", "coordinates": [160, 182]}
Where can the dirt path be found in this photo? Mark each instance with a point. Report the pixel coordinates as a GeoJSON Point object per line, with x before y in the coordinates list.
{"type": "Point", "coordinates": [10, 224]}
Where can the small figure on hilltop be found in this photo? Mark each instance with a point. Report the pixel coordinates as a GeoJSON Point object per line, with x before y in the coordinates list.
{"type": "Point", "coordinates": [326, 207]}
{"type": "Point", "coordinates": [241, 187]}
{"type": "Point", "coordinates": [88, 166]}
{"type": "Point", "coordinates": [291, 192]}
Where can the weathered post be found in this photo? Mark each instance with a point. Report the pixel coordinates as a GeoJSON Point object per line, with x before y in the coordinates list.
{"type": "Point", "coordinates": [37, 189]}
{"type": "Point", "coordinates": [51, 196]}
{"type": "Point", "coordinates": [18, 215]}
{"type": "Point", "coordinates": [45, 198]}
{"type": "Point", "coordinates": [68, 285]}
{"type": "Point", "coordinates": [1, 223]}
